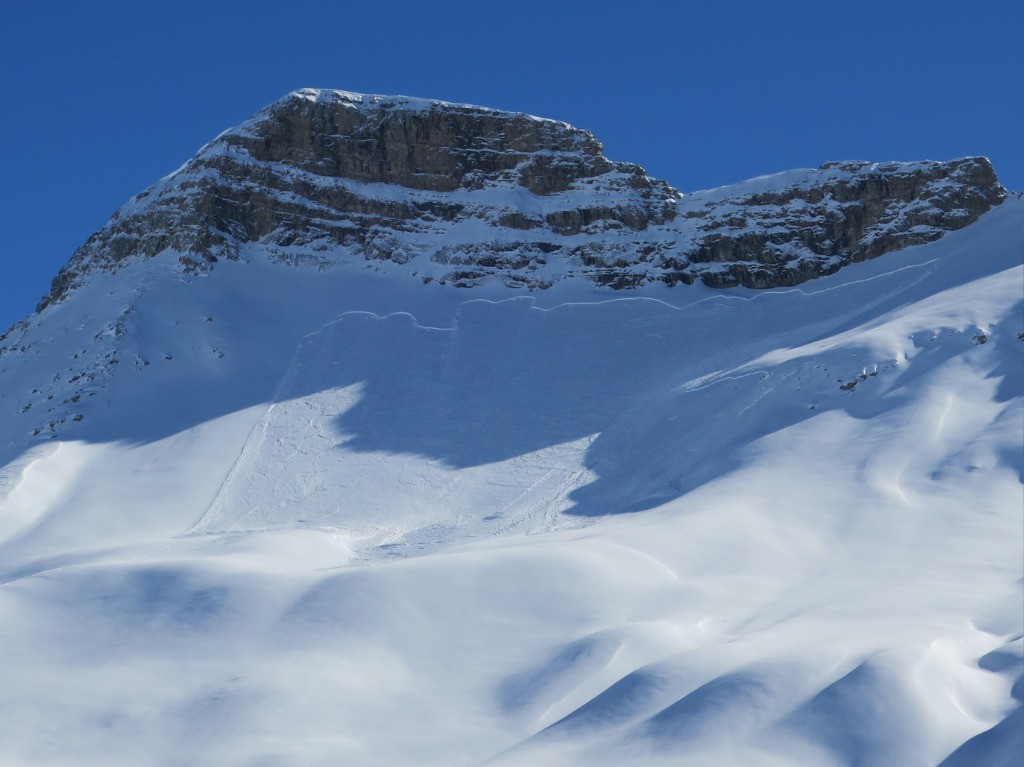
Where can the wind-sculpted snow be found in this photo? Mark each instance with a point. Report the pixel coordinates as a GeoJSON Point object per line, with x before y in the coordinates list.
{"type": "Point", "coordinates": [339, 517]}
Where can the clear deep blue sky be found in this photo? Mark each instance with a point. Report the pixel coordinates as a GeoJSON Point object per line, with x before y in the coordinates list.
{"type": "Point", "coordinates": [102, 99]}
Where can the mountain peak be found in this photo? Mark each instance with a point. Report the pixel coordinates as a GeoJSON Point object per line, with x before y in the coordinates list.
{"type": "Point", "coordinates": [466, 194]}
{"type": "Point", "coordinates": [267, 467]}
{"type": "Point", "coordinates": [416, 143]}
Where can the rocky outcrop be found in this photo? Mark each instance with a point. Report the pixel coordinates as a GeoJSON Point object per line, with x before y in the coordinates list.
{"type": "Point", "coordinates": [846, 212]}
{"type": "Point", "coordinates": [466, 195]}
{"type": "Point", "coordinates": [418, 145]}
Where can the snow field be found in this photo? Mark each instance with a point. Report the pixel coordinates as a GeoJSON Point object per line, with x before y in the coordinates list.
{"type": "Point", "coordinates": [437, 527]}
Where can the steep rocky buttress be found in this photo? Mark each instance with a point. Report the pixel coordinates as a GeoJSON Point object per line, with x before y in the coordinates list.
{"type": "Point", "coordinates": [466, 195]}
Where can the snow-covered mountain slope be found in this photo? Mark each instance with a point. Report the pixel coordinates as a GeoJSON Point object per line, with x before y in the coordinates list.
{"type": "Point", "coordinates": [267, 510]}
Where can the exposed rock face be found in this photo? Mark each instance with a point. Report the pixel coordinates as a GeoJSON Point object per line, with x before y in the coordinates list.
{"type": "Point", "coordinates": [437, 148]}
{"type": "Point", "coordinates": [850, 212]}
{"type": "Point", "coordinates": [466, 194]}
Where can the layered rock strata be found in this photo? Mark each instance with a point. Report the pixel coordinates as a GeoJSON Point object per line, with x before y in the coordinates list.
{"type": "Point", "coordinates": [466, 195]}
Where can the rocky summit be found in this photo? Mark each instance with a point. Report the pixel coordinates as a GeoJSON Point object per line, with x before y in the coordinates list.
{"type": "Point", "coordinates": [384, 433]}
{"type": "Point", "coordinates": [465, 194]}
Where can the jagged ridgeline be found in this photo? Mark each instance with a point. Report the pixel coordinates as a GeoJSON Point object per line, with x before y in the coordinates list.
{"type": "Point", "coordinates": [464, 195]}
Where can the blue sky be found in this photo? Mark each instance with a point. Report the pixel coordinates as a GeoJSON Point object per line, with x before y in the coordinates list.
{"type": "Point", "coordinates": [102, 99]}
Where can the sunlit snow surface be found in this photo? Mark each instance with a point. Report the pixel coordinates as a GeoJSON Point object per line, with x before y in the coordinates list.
{"type": "Point", "coordinates": [335, 517]}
